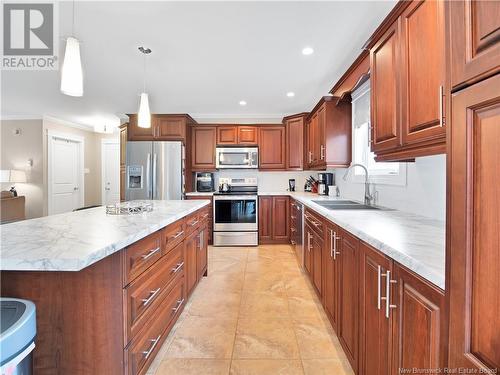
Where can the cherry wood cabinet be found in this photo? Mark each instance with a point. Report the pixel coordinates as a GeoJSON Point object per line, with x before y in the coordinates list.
{"type": "Point", "coordinates": [374, 325]}
{"type": "Point", "coordinates": [408, 86]}
{"type": "Point", "coordinates": [190, 258]}
{"type": "Point", "coordinates": [473, 257]}
{"type": "Point", "coordinates": [349, 292]}
{"type": "Point", "coordinates": [274, 219]}
{"type": "Point", "coordinates": [475, 41]}
{"type": "Point", "coordinates": [232, 135]}
{"type": "Point", "coordinates": [202, 254]}
{"type": "Point", "coordinates": [248, 135]}
{"type": "Point", "coordinates": [227, 135]}
{"type": "Point", "coordinates": [331, 274]}
{"type": "Point", "coordinates": [164, 127]}
{"type": "Point", "coordinates": [423, 72]}
{"type": "Point", "coordinates": [308, 254]}
{"type": "Point", "coordinates": [316, 246]}
{"type": "Point", "coordinates": [272, 148]}
{"type": "Point", "coordinates": [419, 328]}
{"type": "Point", "coordinates": [209, 213]}
{"type": "Point", "coordinates": [384, 92]}
{"type": "Point", "coordinates": [328, 131]}
{"type": "Point", "coordinates": [203, 148]}
{"type": "Point", "coordinates": [295, 128]}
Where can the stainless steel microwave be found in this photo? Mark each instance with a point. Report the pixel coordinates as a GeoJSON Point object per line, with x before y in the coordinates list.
{"type": "Point", "coordinates": [237, 157]}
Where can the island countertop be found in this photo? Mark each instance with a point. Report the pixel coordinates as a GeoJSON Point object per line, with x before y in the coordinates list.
{"type": "Point", "coordinates": [75, 240]}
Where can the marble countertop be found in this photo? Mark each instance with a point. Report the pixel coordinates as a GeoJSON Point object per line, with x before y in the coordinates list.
{"type": "Point", "coordinates": [414, 241]}
{"type": "Point", "coordinates": [75, 240]}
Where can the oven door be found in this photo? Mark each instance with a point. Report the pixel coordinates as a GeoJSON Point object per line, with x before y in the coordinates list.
{"type": "Point", "coordinates": [235, 213]}
{"type": "Point", "coordinates": [236, 157]}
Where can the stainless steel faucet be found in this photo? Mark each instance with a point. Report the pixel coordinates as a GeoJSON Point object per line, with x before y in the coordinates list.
{"type": "Point", "coordinates": [368, 196]}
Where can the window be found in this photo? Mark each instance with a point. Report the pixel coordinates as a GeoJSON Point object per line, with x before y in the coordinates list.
{"type": "Point", "coordinates": [382, 173]}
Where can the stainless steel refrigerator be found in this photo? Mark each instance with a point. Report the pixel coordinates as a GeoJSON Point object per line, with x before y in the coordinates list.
{"type": "Point", "coordinates": [154, 170]}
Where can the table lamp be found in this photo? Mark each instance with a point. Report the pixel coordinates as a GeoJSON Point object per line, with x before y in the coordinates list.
{"type": "Point", "coordinates": [12, 176]}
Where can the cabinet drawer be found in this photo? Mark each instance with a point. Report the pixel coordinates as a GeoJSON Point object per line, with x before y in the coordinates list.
{"type": "Point", "coordinates": [205, 213]}
{"type": "Point", "coordinates": [314, 221]}
{"type": "Point", "coordinates": [140, 256]}
{"type": "Point", "coordinates": [142, 350]}
{"type": "Point", "coordinates": [172, 235]}
{"type": "Point", "coordinates": [192, 222]}
{"type": "Point", "coordinates": [145, 294]}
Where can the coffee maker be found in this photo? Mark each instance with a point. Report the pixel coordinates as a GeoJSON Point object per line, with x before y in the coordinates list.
{"type": "Point", "coordinates": [324, 180]}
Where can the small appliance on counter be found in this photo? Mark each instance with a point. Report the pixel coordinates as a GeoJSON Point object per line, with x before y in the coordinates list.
{"type": "Point", "coordinates": [204, 182]}
{"type": "Point", "coordinates": [311, 185]}
{"type": "Point", "coordinates": [324, 180]}
{"type": "Point", "coordinates": [291, 184]}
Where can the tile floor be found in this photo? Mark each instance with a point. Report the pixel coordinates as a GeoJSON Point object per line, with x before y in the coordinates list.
{"type": "Point", "coordinates": [255, 313]}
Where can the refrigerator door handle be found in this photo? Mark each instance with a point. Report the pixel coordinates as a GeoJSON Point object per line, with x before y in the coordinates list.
{"type": "Point", "coordinates": [148, 174]}
{"type": "Point", "coordinates": [154, 192]}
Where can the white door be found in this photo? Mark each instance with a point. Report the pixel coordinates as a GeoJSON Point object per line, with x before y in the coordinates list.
{"type": "Point", "coordinates": [65, 170]}
{"type": "Point", "coordinates": [111, 172]}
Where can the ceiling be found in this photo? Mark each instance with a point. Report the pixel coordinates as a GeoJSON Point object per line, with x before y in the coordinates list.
{"type": "Point", "coordinates": [207, 56]}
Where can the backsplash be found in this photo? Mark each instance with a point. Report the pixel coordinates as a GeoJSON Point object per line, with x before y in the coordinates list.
{"type": "Point", "coordinates": [424, 193]}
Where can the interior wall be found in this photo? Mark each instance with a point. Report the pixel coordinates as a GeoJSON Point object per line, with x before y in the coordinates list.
{"type": "Point", "coordinates": [424, 193]}
{"type": "Point", "coordinates": [15, 151]}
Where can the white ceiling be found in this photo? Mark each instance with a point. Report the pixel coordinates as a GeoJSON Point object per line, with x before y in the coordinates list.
{"type": "Point", "coordinates": [207, 56]}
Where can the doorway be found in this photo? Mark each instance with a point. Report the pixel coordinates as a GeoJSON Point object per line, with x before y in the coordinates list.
{"type": "Point", "coordinates": [65, 172]}
{"type": "Point", "coordinates": [110, 171]}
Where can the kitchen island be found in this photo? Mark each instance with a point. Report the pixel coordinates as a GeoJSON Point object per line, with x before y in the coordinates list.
{"type": "Point", "coordinates": [107, 288]}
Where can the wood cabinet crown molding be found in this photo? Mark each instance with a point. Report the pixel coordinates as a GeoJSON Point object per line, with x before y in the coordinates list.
{"type": "Point", "coordinates": [356, 75]}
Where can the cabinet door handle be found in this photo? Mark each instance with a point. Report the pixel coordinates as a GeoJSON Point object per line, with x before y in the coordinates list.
{"type": "Point", "coordinates": [322, 152]}
{"type": "Point", "coordinates": [441, 103]}
{"type": "Point", "coordinates": [146, 301]}
{"type": "Point", "coordinates": [293, 217]}
{"type": "Point", "coordinates": [335, 252]}
{"type": "Point", "coordinates": [379, 275]}
{"type": "Point", "coordinates": [293, 229]}
{"type": "Point", "coordinates": [178, 267]}
{"type": "Point", "coordinates": [147, 353]}
{"type": "Point", "coordinates": [387, 298]}
{"type": "Point", "coordinates": [201, 240]}
{"type": "Point", "coordinates": [178, 234]}
{"type": "Point", "coordinates": [331, 244]}
{"type": "Point", "coordinates": [310, 156]}
{"type": "Point", "coordinates": [178, 306]}
{"type": "Point", "coordinates": [309, 241]}
{"type": "Point", "coordinates": [150, 253]}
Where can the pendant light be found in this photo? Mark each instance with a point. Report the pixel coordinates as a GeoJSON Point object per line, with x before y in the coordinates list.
{"type": "Point", "coordinates": [72, 74]}
{"type": "Point", "coordinates": [144, 114]}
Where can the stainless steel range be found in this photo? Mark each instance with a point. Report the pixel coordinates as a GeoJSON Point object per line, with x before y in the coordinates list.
{"type": "Point", "coordinates": [236, 212]}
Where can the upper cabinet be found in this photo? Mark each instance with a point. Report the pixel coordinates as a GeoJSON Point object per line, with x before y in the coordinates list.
{"type": "Point", "coordinates": [407, 61]}
{"type": "Point", "coordinates": [272, 147]}
{"type": "Point", "coordinates": [203, 148]}
{"type": "Point", "coordinates": [163, 128]}
{"type": "Point", "coordinates": [295, 127]}
{"type": "Point", "coordinates": [475, 41]}
{"type": "Point", "coordinates": [232, 135]}
{"type": "Point", "coordinates": [328, 133]}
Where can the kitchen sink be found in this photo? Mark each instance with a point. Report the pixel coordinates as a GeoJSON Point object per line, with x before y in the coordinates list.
{"type": "Point", "coordinates": [345, 205]}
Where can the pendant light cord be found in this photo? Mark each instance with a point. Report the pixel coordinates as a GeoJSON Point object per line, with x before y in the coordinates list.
{"type": "Point", "coordinates": [144, 74]}
{"type": "Point", "coordinates": [73, 24]}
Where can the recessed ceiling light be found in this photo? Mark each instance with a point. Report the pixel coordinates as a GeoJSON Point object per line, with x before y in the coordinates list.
{"type": "Point", "coordinates": [290, 94]}
{"type": "Point", "coordinates": [242, 102]}
{"type": "Point", "coordinates": [307, 51]}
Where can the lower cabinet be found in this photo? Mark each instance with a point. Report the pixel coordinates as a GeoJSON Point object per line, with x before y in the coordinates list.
{"type": "Point", "coordinates": [191, 252]}
{"type": "Point", "coordinates": [274, 219]}
{"type": "Point", "coordinates": [349, 292]}
{"type": "Point", "coordinates": [401, 318]}
{"type": "Point", "coordinates": [331, 269]}
{"type": "Point", "coordinates": [202, 254]}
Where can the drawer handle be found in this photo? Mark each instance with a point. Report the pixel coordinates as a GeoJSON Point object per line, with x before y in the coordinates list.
{"type": "Point", "coordinates": [151, 253]}
{"type": "Point", "coordinates": [151, 297]}
{"type": "Point", "coordinates": [178, 234]}
{"type": "Point", "coordinates": [194, 223]}
{"type": "Point", "coordinates": [178, 267]}
{"type": "Point", "coordinates": [176, 308]}
{"type": "Point", "coordinates": [147, 353]}
{"type": "Point", "coordinates": [206, 215]}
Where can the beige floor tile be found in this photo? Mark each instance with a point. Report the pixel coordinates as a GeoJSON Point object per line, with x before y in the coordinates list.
{"type": "Point", "coordinates": [200, 337]}
{"type": "Point", "coordinates": [317, 340]}
{"type": "Point", "coordinates": [221, 283]}
{"type": "Point", "coordinates": [190, 366]}
{"type": "Point", "coordinates": [215, 305]}
{"type": "Point", "coordinates": [226, 266]}
{"type": "Point", "coordinates": [270, 305]}
{"type": "Point", "coordinates": [326, 367]}
{"type": "Point", "coordinates": [302, 307]}
{"type": "Point", "coordinates": [266, 367]}
{"type": "Point", "coordinates": [258, 282]}
{"type": "Point", "coordinates": [267, 338]}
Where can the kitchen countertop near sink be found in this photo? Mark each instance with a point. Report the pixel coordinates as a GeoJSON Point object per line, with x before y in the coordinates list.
{"type": "Point", "coordinates": [75, 240]}
{"type": "Point", "coordinates": [414, 241]}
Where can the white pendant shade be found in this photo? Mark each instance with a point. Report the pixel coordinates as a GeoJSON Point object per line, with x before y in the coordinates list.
{"type": "Point", "coordinates": [72, 74]}
{"type": "Point", "coordinates": [144, 114]}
